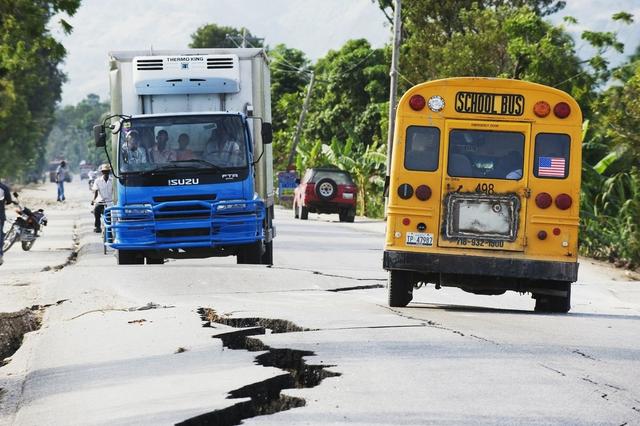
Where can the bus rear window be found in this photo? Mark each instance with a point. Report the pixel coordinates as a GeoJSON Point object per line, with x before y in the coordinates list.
{"type": "Point", "coordinates": [486, 154]}
{"type": "Point", "coordinates": [422, 149]}
{"type": "Point", "coordinates": [551, 160]}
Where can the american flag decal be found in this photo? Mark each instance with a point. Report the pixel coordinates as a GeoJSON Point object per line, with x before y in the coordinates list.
{"type": "Point", "coordinates": [551, 166]}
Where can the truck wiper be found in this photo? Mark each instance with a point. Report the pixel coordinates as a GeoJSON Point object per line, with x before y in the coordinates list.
{"type": "Point", "coordinates": [197, 161]}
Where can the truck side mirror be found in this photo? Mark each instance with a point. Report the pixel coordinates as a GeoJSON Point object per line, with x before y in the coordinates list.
{"type": "Point", "coordinates": [99, 135]}
{"type": "Point", "coordinates": [267, 133]}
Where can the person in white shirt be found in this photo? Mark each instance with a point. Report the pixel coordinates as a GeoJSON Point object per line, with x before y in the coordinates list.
{"type": "Point", "coordinates": [102, 196]}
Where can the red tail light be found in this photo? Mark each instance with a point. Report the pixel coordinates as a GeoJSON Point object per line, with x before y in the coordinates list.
{"type": "Point", "coordinates": [563, 201]}
{"type": "Point", "coordinates": [562, 110]}
{"type": "Point", "coordinates": [417, 102]}
{"type": "Point", "coordinates": [423, 193]}
{"type": "Point", "coordinates": [543, 200]}
{"type": "Point", "coordinates": [542, 109]}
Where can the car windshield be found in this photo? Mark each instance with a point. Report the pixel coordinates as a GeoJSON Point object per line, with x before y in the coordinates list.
{"type": "Point", "coordinates": [159, 143]}
{"type": "Point", "coordinates": [340, 178]}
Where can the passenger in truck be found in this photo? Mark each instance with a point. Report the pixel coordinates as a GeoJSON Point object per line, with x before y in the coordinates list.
{"type": "Point", "coordinates": [184, 153]}
{"type": "Point", "coordinates": [160, 153]}
{"type": "Point", "coordinates": [132, 153]}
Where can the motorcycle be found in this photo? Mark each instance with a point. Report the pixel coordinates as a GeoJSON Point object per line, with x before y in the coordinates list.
{"type": "Point", "coordinates": [25, 227]}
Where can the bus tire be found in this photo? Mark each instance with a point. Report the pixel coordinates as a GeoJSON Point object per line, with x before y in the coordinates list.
{"type": "Point", "coordinates": [554, 304]}
{"type": "Point", "coordinates": [130, 257]}
{"type": "Point", "coordinates": [400, 288]}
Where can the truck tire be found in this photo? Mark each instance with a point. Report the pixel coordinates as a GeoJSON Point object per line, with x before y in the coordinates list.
{"type": "Point", "coordinates": [155, 261]}
{"type": "Point", "coordinates": [130, 257]}
{"type": "Point", "coordinates": [400, 288]}
{"type": "Point", "coordinates": [267, 256]}
{"type": "Point", "coordinates": [347, 216]}
{"type": "Point", "coordinates": [326, 189]}
{"type": "Point", "coordinates": [250, 254]}
{"type": "Point", "coordinates": [554, 304]}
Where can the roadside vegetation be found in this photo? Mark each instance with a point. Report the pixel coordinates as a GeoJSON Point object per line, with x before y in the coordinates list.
{"type": "Point", "coordinates": [346, 124]}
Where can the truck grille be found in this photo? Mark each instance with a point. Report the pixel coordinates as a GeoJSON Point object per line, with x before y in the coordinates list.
{"type": "Point", "coordinates": [150, 64]}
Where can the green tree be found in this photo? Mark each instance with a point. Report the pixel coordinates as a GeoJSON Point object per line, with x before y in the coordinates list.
{"type": "Point", "coordinates": [30, 80]}
{"type": "Point", "coordinates": [218, 36]}
{"type": "Point", "coordinates": [72, 134]}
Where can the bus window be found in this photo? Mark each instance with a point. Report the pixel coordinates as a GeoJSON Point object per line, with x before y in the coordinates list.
{"type": "Point", "coordinates": [486, 154]}
{"type": "Point", "coordinates": [551, 160]}
{"type": "Point", "coordinates": [422, 148]}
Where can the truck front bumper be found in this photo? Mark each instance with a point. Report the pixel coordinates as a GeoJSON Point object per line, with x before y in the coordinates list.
{"type": "Point", "coordinates": [184, 224]}
{"type": "Point", "coordinates": [431, 263]}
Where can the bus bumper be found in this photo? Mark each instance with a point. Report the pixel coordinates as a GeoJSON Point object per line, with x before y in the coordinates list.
{"type": "Point", "coordinates": [429, 263]}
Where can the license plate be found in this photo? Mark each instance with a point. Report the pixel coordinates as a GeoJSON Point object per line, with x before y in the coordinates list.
{"type": "Point", "coordinates": [347, 196]}
{"type": "Point", "coordinates": [419, 239]}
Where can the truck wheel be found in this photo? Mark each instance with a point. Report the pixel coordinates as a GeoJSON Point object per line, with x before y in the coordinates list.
{"type": "Point", "coordinates": [554, 304]}
{"type": "Point", "coordinates": [155, 260]}
{"type": "Point", "coordinates": [267, 256]}
{"type": "Point", "coordinates": [130, 257]}
{"type": "Point", "coordinates": [250, 254]}
{"type": "Point", "coordinates": [304, 213]}
{"type": "Point", "coordinates": [400, 288]}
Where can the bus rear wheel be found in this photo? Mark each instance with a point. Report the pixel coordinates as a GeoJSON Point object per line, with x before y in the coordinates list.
{"type": "Point", "coordinates": [554, 304]}
{"type": "Point", "coordinates": [400, 288]}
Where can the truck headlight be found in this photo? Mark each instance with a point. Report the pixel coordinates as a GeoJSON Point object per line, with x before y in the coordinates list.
{"type": "Point", "coordinates": [133, 212]}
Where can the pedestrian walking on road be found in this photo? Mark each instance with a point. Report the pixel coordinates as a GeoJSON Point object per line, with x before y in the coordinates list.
{"type": "Point", "coordinates": [5, 198]}
{"type": "Point", "coordinates": [102, 196]}
{"type": "Point", "coordinates": [61, 174]}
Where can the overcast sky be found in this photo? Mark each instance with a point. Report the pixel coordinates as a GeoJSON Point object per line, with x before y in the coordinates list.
{"type": "Point", "coordinates": [313, 26]}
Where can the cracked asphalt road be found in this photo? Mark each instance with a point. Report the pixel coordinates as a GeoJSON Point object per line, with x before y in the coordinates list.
{"type": "Point", "coordinates": [448, 358]}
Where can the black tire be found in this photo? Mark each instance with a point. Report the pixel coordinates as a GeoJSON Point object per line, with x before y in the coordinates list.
{"type": "Point", "coordinates": [250, 254]}
{"type": "Point", "coordinates": [304, 213]}
{"type": "Point", "coordinates": [267, 256]}
{"type": "Point", "coordinates": [400, 288]}
{"type": "Point", "coordinates": [155, 261]}
{"type": "Point", "coordinates": [554, 304]}
{"type": "Point", "coordinates": [10, 238]}
{"type": "Point", "coordinates": [26, 245]}
{"type": "Point", "coordinates": [343, 216]}
{"type": "Point", "coordinates": [326, 189]}
{"type": "Point", "coordinates": [130, 257]}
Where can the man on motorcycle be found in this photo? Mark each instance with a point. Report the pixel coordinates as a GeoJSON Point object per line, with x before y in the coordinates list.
{"type": "Point", "coordinates": [102, 196]}
{"type": "Point", "coordinates": [5, 198]}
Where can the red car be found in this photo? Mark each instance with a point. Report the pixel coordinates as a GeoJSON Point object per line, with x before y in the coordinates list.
{"type": "Point", "coordinates": [325, 190]}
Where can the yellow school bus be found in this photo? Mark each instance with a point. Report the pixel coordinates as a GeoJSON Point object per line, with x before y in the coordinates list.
{"type": "Point", "coordinates": [484, 190]}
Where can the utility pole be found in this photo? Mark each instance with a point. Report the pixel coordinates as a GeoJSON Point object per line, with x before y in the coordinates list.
{"type": "Point", "coordinates": [393, 90]}
{"type": "Point", "coordinates": [303, 114]}
{"type": "Point", "coordinates": [243, 39]}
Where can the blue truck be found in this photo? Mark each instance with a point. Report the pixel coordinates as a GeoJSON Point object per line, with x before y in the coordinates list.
{"type": "Point", "coordinates": [190, 147]}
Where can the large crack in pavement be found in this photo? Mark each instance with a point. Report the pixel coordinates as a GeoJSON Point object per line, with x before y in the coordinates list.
{"type": "Point", "coordinates": [13, 327]}
{"type": "Point", "coordinates": [265, 396]}
{"type": "Point", "coordinates": [73, 256]}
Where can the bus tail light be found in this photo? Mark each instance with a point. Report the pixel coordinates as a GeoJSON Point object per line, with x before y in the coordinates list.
{"type": "Point", "coordinates": [556, 231]}
{"type": "Point", "coordinates": [423, 193]}
{"type": "Point", "coordinates": [563, 201]}
{"type": "Point", "coordinates": [405, 191]}
{"type": "Point", "coordinates": [417, 102]}
{"type": "Point", "coordinates": [542, 109]}
{"type": "Point", "coordinates": [543, 200]}
{"type": "Point", "coordinates": [562, 110]}
{"type": "Point", "coordinates": [406, 221]}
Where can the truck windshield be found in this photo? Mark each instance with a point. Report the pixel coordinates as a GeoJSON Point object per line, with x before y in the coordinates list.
{"type": "Point", "coordinates": [212, 141]}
